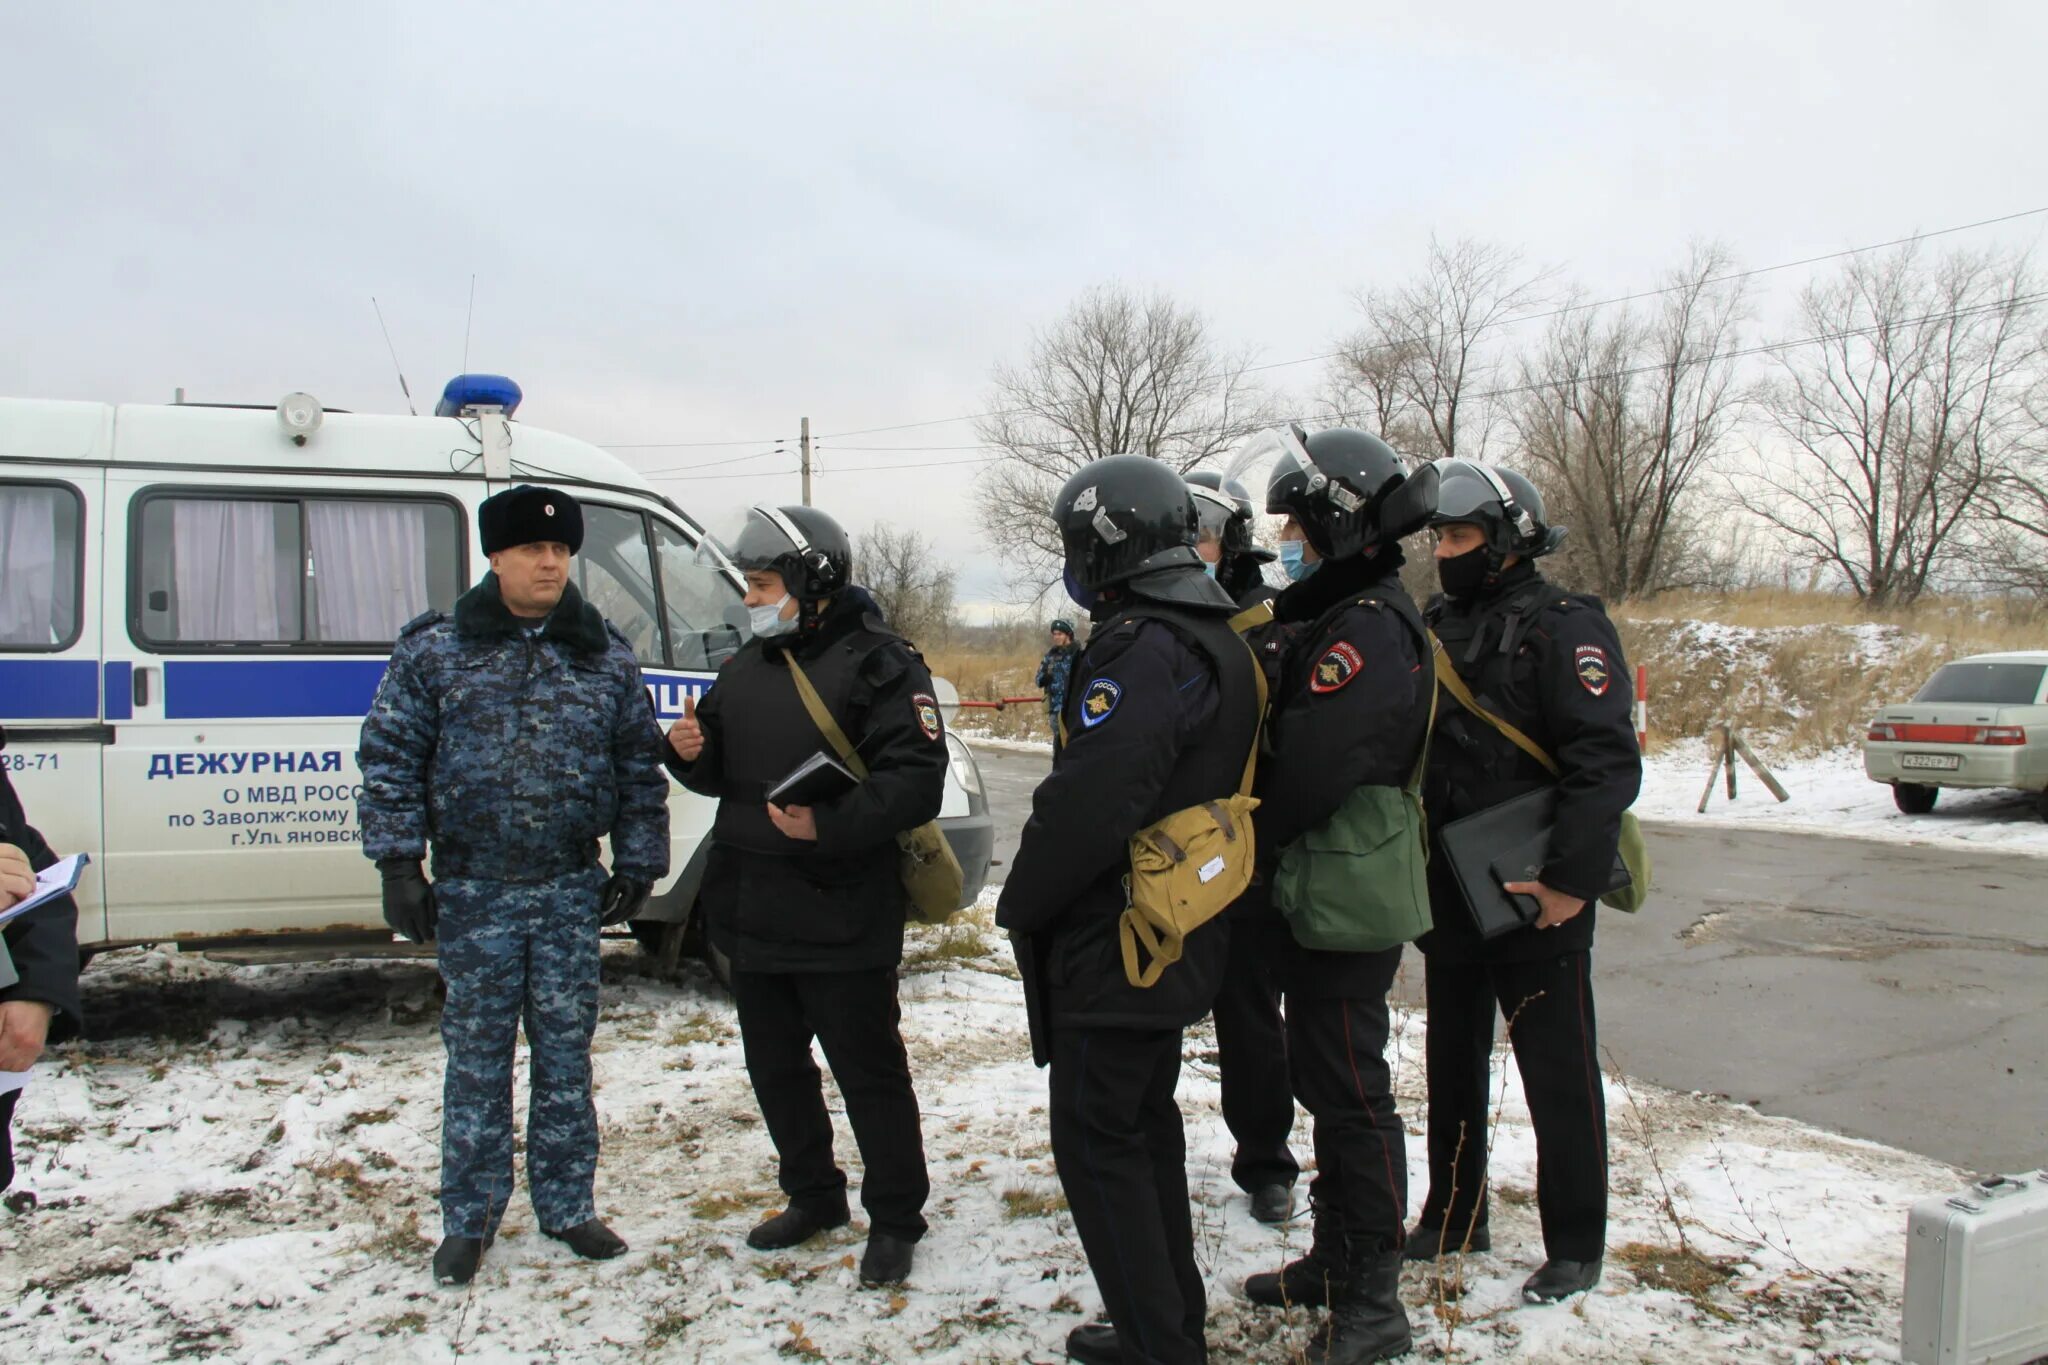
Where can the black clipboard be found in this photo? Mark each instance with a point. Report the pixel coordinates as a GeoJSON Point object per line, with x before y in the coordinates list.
{"type": "Point", "coordinates": [816, 780]}
{"type": "Point", "coordinates": [1506, 843]}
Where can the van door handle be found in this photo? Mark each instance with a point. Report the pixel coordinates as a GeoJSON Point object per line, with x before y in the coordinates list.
{"type": "Point", "coordinates": [140, 686]}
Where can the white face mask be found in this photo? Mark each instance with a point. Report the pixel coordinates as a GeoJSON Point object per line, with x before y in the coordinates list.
{"type": "Point", "coordinates": [768, 620]}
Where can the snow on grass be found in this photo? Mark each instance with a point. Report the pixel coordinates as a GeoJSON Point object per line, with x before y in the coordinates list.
{"type": "Point", "coordinates": [242, 1165]}
{"type": "Point", "coordinates": [1831, 795]}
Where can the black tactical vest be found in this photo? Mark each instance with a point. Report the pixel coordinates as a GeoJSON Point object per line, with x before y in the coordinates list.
{"type": "Point", "coordinates": [767, 732]}
{"type": "Point", "coordinates": [1214, 765]}
{"type": "Point", "coordinates": [1472, 765]}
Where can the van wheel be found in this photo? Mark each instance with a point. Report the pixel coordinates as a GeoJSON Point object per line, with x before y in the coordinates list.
{"type": "Point", "coordinates": [2041, 804]}
{"type": "Point", "coordinates": [1913, 798]}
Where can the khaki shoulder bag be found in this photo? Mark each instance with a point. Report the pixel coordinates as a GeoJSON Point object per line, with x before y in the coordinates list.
{"type": "Point", "coordinates": [1189, 867]}
{"type": "Point", "coordinates": [1635, 853]}
{"type": "Point", "coordinates": [931, 875]}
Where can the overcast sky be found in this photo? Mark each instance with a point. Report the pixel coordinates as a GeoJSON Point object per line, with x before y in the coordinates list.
{"type": "Point", "coordinates": [698, 224]}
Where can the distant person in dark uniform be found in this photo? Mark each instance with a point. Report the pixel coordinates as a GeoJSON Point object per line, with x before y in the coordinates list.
{"type": "Point", "coordinates": [1351, 712]}
{"type": "Point", "coordinates": [806, 901]}
{"type": "Point", "coordinates": [38, 959]}
{"type": "Point", "coordinates": [1549, 663]}
{"type": "Point", "coordinates": [1161, 716]}
{"type": "Point", "coordinates": [1054, 670]}
{"type": "Point", "coordinates": [1251, 1039]}
{"type": "Point", "coordinates": [511, 737]}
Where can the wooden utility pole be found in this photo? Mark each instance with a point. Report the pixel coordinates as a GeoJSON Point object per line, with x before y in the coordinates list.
{"type": "Point", "coordinates": [807, 461]}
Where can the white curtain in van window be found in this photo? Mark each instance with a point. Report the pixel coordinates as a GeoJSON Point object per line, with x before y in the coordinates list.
{"type": "Point", "coordinates": [231, 582]}
{"type": "Point", "coordinates": [369, 568]}
{"type": "Point", "coordinates": [28, 568]}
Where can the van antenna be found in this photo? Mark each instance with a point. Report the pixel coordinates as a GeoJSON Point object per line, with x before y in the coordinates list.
{"type": "Point", "coordinates": [469, 318]}
{"type": "Point", "coordinates": [403, 387]}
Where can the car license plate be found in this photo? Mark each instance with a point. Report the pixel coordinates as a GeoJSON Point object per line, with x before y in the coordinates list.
{"type": "Point", "coordinates": [1943, 762]}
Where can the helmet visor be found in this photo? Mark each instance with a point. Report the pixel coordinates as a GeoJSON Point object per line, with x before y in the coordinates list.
{"type": "Point", "coordinates": [763, 538]}
{"type": "Point", "coordinates": [1462, 491]}
{"type": "Point", "coordinates": [1288, 458]}
{"type": "Point", "coordinates": [1213, 510]}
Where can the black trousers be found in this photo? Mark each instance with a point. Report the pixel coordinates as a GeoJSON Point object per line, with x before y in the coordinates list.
{"type": "Point", "coordinates": [1251, 1055]}
{"type": "Point", "coordinates": [1122, 1157]}
{"type": "Point", "coordinates": [1337, 1054]}
{"type": "Point", "coordinates": [1549, 1007]}
{"type": "Point", "coordinates": [854, 1016]}
{"type": "Point", "coordinates": [7, 1137]}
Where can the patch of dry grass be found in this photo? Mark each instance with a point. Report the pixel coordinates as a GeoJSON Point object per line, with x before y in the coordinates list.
{"type": "Point", "coordinates": [991, 676]}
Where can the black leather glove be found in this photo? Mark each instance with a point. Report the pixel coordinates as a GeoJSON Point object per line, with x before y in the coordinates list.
{"type": "Point", "coordinates": [408, 899]}
{"type": "Point", "coordinates": [622, 899]}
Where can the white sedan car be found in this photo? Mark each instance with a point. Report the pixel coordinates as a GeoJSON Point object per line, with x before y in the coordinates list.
{"type": "Point", "coordinates": [1979, 722]}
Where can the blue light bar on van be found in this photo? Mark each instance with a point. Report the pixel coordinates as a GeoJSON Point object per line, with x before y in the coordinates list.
{"type": "Point", "coordinates": [478, 391]}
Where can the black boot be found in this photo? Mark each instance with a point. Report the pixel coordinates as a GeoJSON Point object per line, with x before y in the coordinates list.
{"type": "Point", "coordinates": [886, 1260]}
{"type": "Point", "coordinates": [457, 1258]}
{"type": "Point", "coordinates": [591, 1240]}
{"type": "Point", "coordinates": [795, 1224]}
{"type": "Point", "coordinates": [1095, 1343]}
{"type": "Point", "coordinates": [1560, 1280]}
{"type": "Point", "coordinates": [1426, 1243]}
{"type": "Point", "coordinates": [1314, 1281]}
{"type": "Point", "coordinates": [1367, 1322]}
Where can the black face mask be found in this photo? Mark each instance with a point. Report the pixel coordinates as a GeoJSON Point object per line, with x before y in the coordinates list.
{"type": "Point", "coordinates": [1465, 574]}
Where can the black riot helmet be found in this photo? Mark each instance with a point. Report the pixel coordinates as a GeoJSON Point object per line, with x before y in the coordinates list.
{"type": "Point", "coordinates": [1224, 511]}
{"type": "Point", "coordinates": [1347, 489]}
{"type": "Point", "coordinates": [1500, 503]}
{"type": "Point", "coordinates": [1128, 523]}
{"type": "Point", "coordinates": [808, 548]}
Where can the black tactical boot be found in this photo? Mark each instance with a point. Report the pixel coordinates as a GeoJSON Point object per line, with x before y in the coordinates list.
{"type": "Point", "coordinates": [1273, 1203]}
{"type": "Point", "coordinates": [795, 1224]}
{"type": "Point", "coordinates": [1367, 1321]}
{"type": "Point", "coordinates": [457, 1258]}
{"type": "Point", "coordinates": [886, 1260]}
{"type": "Point", "coordinates": [1095, 1343]}
{"type": "Point", "coordinates": [1427, 1243]}
{"type": "Point", "coordinates": [1314, 1281]}
{"type": "Point", "coordinates": [1560, 1280]}
{"type": "Point", "coordinates": [591, 1240]}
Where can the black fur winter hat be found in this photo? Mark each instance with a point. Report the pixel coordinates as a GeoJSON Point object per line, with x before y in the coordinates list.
{"type": "Point", "coordinates": [530, 512]}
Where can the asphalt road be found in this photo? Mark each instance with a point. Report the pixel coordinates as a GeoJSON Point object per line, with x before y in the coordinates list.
{"type": "Point", "coordinates": [1891, 992]}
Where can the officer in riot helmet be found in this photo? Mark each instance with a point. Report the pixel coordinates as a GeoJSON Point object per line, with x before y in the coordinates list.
{"type": "Point", "coordinates": [1548, 663]}
{"type": "Point", "coordinates": [806, 901]}
{"type": "Point", "coordinates": [510, 737]}
{"type": "Point", "coordinates": [1161, 715]}
{"type": "Point", "coordinates": [1351, 711]}
{"type": "Point", "coordinates": [1251, 1040]}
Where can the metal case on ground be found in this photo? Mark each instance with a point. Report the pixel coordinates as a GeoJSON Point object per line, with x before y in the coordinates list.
{"type": "Point", "coordinates": [1977, 1274]}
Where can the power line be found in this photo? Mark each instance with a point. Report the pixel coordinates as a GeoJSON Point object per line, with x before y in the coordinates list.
{"type": "Point", "coordinates": [1332, 355]}
{"type": "Point", "coordinates": [713, 464]}
{"type": "Point", "coordinates": [1533, 386]}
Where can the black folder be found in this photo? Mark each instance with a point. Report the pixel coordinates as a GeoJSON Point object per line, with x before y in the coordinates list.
{"type": "Point", "coordinates": [817, 779]}
{"type": "Point", "coordinates": [1501, 844]}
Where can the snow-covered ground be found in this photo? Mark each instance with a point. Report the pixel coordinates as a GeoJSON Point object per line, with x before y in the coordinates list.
{"type": "Point", "coordinates": [1830, 795]}
{"type": "Point", "coordinates": [243, 1167]}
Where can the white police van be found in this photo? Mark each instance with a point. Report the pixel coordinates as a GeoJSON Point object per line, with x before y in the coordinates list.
{"type": "Point", "coordinates": [196, 606]}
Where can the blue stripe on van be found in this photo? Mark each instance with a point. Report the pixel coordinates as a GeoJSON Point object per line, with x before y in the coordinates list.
{"type": "Point", "coordinates": [120, 691]}
{"type": "Point", "coordinates": [50, 689]}
{"type": "Point", "coordinates": [269, 688]}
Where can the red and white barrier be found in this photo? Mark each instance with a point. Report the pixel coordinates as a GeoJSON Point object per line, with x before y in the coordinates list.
{"type": "Point", "coordinates": [1642, 706]}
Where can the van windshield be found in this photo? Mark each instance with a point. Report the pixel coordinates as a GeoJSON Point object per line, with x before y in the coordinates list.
{"type": "Point", "coordinates": [706, 622]}
{"type": "Point", "coordinates": [1989, 684]}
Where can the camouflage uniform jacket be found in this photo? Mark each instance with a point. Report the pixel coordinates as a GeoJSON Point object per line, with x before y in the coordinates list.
{"type": "Point", "coordinates": [513, 751]}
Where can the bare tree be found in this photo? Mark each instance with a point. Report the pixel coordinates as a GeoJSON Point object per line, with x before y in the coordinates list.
{"type": "Point", "coordinates": [1621, 414]}
{"type": "Point", "coordinates": [1419, 368]}
{"type": "Point", "coordinates": [1117, 374]}
{"type": "Point", "coordinates": [1885, 433]}
{"type": "Point", "coordinates": [2014, 533]}
{"type": "Point", "coordinates": [903, 574]}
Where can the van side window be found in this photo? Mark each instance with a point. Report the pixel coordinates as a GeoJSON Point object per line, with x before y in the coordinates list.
{"type": "Point", "coordinates": [706, 622]}
{"type": "Point", "coordinates": [40, 565]}
{"type": "Point", "coordinates": [223, 571]}
{"type": "Point", "coordinates": [615, 573]}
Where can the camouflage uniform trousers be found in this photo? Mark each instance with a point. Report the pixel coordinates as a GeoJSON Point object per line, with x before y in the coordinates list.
{"type": "Point", "coordinates": [513, 951]}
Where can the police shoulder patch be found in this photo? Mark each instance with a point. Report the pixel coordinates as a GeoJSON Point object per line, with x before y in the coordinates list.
{"type": "Point", "coordinates": [927, 709]}
{"type": "Point", "coordinates": [1338, 666]}
{"type": "Point", "coordinates": [1099, 701]}
{"type": "Point", "coordinates": [1590, 663]}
